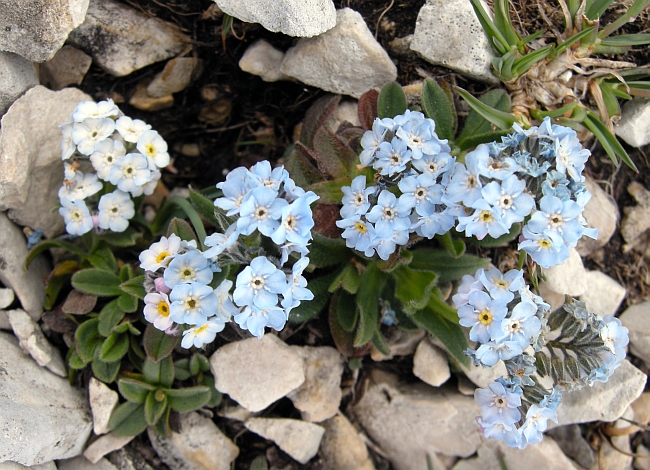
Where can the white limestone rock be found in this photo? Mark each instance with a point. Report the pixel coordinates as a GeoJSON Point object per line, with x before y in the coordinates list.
{"type": "Point", "coordinates": [319, 397]}
{"type": "Point", "coordinates": [128, 459]}
{"type": "Point", "coordinates": [121, 39]}
{"type": "Point", "coordinates": [6, 297]}
{"type": "Point", "coordinates": [402, 343]}
{"type": "Point", "coordinates": [263, 60]}
{"type": "Point", "coordinates": [34, 343]}
{"type": "Point", "coordinates": [7, 465]}
{"type": "Point", "coordinates": [604, 401]}
{"type": "Point", "coordinates": [482, 376]}
{"type": "Point", "coordinates": [342, 447]}
{"type": "Point", "coordinates": [636, 221]}
{"type": "Point", "coordinates": [103, 401]}
{"type": "Point", "coordinates": [274, 368]}
{"type": "Point", "coordinates": [545, 455]}
{"type": "Point", "coordinates": [105, 445]}
{"type": "Point", "coordinates": [174, 77]}
{"type": "Point", "coordinates": [601, 212]}
{"type": "Point", "coordinates": [346, 59]}
{"type": "Point", "coordinates": [27, 285]}
{"type": "Point", "coordinates": [603, 295]}
{"type": "Point", "coordinates": [573, 444]}
{"type": "Point", "coordinates": [17, 75]}
{"type": "Point", "coordinates": [637, 319]}
{"type": "Point", "coordinates": [430, 364]}
{"type": "Point", "coordinates": [199, 446]}
{"type": "Point", "coordinates": [346, 111]}
{"type": "Point", "coordinates": [36, 29]}
{"type": "Point", "coordinates": [300, 18]}
{"type": "Point", "coordinates": [68, 67]}
{"type": "Point", "coordinates": [568, 277]}
{"type": "Point", "coordinates": [634, 126]}
{"type": "Point", "coordinates": [297, 438]}
{"type": "Point", "coordinates": [43, 418]}
{"type": "Point", "coordinates": [448, 33]}
{"type": "Point", "coordinates": [409, 422]}
{"type": "Point", "coordinates": [618, 455]}
{"type": "Point", "coordinates": [82, 463]}
{"type": "Point", "coordinates": [31, 171]}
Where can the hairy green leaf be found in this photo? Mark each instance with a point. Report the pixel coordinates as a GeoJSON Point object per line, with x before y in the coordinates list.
{"type": "Point", "coordinates": [157, 344]}
{"type": "Point", "coordinates": [128, 419]}
{"type": "Point", "coordinates": [445, 265]}
{"type": "Point", "coordinates": [439, 106]}
{"type": "Point", "coordinates": [154, 406]}
{"type": "Point", "coordinates": [450, 334]}
{"type": "Point", "coordinates": [391, 101]}
{"type": "Point", "coordinates": [134, 390]}
{"type": "Point", "coordinates": [188, 399]}
{"type": "Point", "coordinates": [372, 284]}
{"type": "Point", "coordinates": [97, 282]}
{"type": "Point", "coordinates": [87, 339]}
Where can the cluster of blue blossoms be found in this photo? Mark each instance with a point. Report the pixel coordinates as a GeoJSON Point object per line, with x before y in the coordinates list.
{"type": "Point", "coordinates": [260, 199]}
{"type": "Point", "coordinates": [533, 174]}
{"type": "Point", "coordinates": [407, 153]}
{"type": "Point", "coordinates": [126, 156]}
{"type": "Point", "coordinates": [570, 346]}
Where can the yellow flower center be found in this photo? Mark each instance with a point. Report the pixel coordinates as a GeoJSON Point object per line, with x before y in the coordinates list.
{"type": "Point", "coordinates": [361, 227]}
{"type": "Point", "coordinates": [544, 243]}
{"type": "Point", "coordinates": [150, 149]}
{"type": "Point", "coordinates": [485, 317]}
{"type": "Point", "coordinates": [486, 216]}
{"type": "Point", "coordinates": [161, 256]}
{"type": "Point", "coordinates": [201, 329]}
{"type": "Point", "coordinates": [163, 308]}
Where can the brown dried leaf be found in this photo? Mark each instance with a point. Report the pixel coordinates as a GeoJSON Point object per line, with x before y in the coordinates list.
{"type": "Point", "coordinates": [78, 303]}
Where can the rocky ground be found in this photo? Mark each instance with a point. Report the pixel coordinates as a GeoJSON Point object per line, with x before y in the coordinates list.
{"type": "Point", "coordinates": [225, 98]}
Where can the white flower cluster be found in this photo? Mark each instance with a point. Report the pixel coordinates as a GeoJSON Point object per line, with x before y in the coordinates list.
{"type": "Point", "coordinates": [127, 157]}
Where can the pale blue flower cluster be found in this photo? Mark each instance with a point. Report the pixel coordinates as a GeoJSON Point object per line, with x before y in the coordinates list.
{"type": "Point", "coordinates": [266, 290]}
{"type": "Point", "coordinates": [570, 346]}
{"type": "Point", "coordinates": [127, 157]}
{"type": "Point", "coordinates": [407, 153]}
{"type": "Point", "coordinates": [535, 172]}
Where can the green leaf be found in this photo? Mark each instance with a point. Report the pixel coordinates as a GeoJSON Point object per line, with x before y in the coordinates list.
{"type": "Point", "coordinates": [540, 115]}
{"type": "Point", "coordinates": [134, 287]}
{"type": "Point", "coordinates": [48, 244]}
{"type": "Point", "coordinates": [476, 125]}
{"type": "Point", "coordinates": [194, 365]}
{"type": "Point", "coordinates": [500, 119]}
{"type": "Point", "coordinates": [182, 229]}
{"type": "Point", "coordinates": [128, 303]}
{"type": "Point", "coordinates": [330, 191]}
{"type": "Point", "coordinates": [121, 239]}
{"type": "Point", "coordinates": [188, 399]}
{"type": "Point", "coordinates": [449, 333]}
{"type": "Point", "coordinates": [630, 15]}
{"type": "Point", "coordinates": [504, 24]}
{"type": "Point", "coordinates": [610, 144]}
{"type": "Point", "coordinates": [194, 217]}
{"type": "Point", "coordinates": [302, 170]}
{"type": "Point", "coordinates": [379, 342]}
{"type": "Point", "coordinates": [343, 340]}
{"type": "Point", "coordinates": [391, 101]}
{"type": "Point", "coordinates": [316, 117]}
{"type": "Point", "coordinates": [74, 361]}
{"type": "Point", "coordinates": [154, 406]}
{"type": "Point", "coordinates": [103, 258]}
{"type": "Point", "coordinates": [347, 311]}
{"type": "Point", "coordinates": [348, 278]}
{"type": "Point", "coordinates": [473, 141]}
{"type": "Point", "coordinates": [438, 106]}
{"type": "Point", "coordinates": [413, 287]}
{"type": "Point", "coordinates": [610, 100]}
{"type": "Point", "coordinates": [105, 371]}
{"type": "Point", "coordinates": [572, 40]}
{"type": "Point", "coordinates": [445, 265]}
{"type": "Point", "coordinates": [334, 157]}
{"type": "Point", "coordinates": [114, 348]}
{"type": "Point", "coordinates": [125, 273]}
{"type": "Point", "coordinates": [128, 419]}
{"type": "Point", "coordinates": [215, 395]}
{"type": "Point", "coordinates": [325, 251]}
{"type": "Point", "coordinates": [372, 284]}
{"type": "Point", "coordinates": [626, 40]}
{"type": "Point", "coordinates": [134, 390]}
{"type": "Point", "coordinates": [308, 309]}
{"type": "Point", "coordinates": [437, 304]}
{"type": "Point", "coordinates": [159, 373]}
{"type": "Point", "coordinates": [157, 344]}
{"type": "Point", "coordinates": [596, 8]}
{"type": "Point", "coordinates": [503, 240]}
{"type": "Point", "coordinates": [87, 339]}
{"type": "Point", "coordinates": [521, 65]}
{"type": "Point", "coordinates": [259, 463]}
{"type": "Point", "coordinates": [57, 279]}
{"type": "Point", "coordinates": [204, 206]}
{"type": "Point", "coordinates": [498, 42]}
{"type": "Point", "coordinates": [454, 246]}
{"type": "Point", "coordinates": [182, 369]}
{"type": "Point", "coordinates": [97, 282]}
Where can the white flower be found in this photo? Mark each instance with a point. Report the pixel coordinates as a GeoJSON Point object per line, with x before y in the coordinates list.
{"type": "Point", "coordinates": [156, 310]}
{"type": "Point", "coordinates": [88, 133]}
{"type": "Point", "coordinates": [67, 146]}
{"type": "Point", "coordinates": [115, 210]}
{"type": "Point", "coordinates": [202, 334]}
{"type": "Point", "coordinates": [150, 187]}
{"type": "Point", "coordinates": [131, 129]}
{"type": "Point", "coordinates": [90, 109]}
{"type": "Point", "coordinates": [154, 147]}
{"type": "Point", "coordinates": [80, 187]}
{"type": "Point", "coordinates": [160, 253]}
{"type": "Point", "coordinates": [77, 217]}
{"type": "Point", "coordinates": [130, 173]}
{"type": "Point", "coordinates": [105, 155]}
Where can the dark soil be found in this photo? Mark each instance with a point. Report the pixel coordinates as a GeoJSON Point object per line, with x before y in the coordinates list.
{"type": "Point", "coordinates": [253, 120]}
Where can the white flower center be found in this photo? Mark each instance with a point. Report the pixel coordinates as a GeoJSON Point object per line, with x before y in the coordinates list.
{"type": "Point", "coordinates": [257, 282]}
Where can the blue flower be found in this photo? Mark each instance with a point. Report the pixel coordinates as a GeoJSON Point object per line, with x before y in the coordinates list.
{"type": "Point", "coordinates": [535, 424]}
{"type": "Point", "coordinates": [557, 220]}
{"type": "Point", "coordinates": [570, 156]}
{"type": "Point", "coordinates": [433, 166]}
{"type": "Point", "coordinates": [296, 222]}
{"type": "Point", "coordinates": [498, 405]}
{"type": "Point", "coordinates": [418, 134]}
{"type": "Point", "coordinates": [261, 210]}
{"type": "Point", "coordinates": [389, 215]}
{"type": "Point", "coordinates": [484, 221]}
{"type": "Point", "coordinates": [234, 190]}
{"type": "Point", "coordinates": [520, 368]}
{"type": "Point", "coordinates": [420, 192]}
{"type": "Point", "coordinates": [483, 315]}
{"type": "Point", "coordinates": [509, 199]}
{"type": "Point", "coordinates": [542, 249]}
{"type": "Point", "coordinates": [556, 185]}
{"type": "Point", "coordinates": [358, 234]}
{"type": "Point", "coordinates": [76, 216]}
{"type": "Point", "coordinates": [192, 303]}
{"type": "Point", "coordinates": [220, 242]}
{"type": "Point", "coordinates": [392, 158]}
{"type": "Point", "coordinates": [296, 286]}
{"type": "Point", "coordinates": [371, 139]}
{"type": "Point", "coordinates": [190, 266]}
{"type": "Point", "coordinates": [261, 174]}
{"type": "Point", "coordinates": [355, 197]}
{"type": "Point", "coordinates": [202, 334]}
{"type": "Point", "coordinates": [115, 211]}
{"type": "Point", "coordinates": [522, 326]}
{"type": "Point", "coordinates": [502, 286]}
{"type": "Point", "coordinates": [436, 223]}
{"type": "Point", "coordinates": [254, 319]}
{"type": "Point", "coordinates": [490, 353]}
{"type": "Point", "coordinates": [259, 284]}
{"type": "Point", "coordinates": [465, 185]}
{"type": "Point", "coordinates": [386, 246]}
{"type": "Point", "coordinates": [615, 336]}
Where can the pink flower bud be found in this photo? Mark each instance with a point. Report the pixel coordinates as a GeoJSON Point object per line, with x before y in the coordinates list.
{"type": "Point", "coordinates": [159, 283]}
